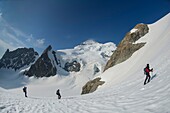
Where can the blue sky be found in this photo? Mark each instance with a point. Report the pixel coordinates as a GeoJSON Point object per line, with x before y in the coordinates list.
{"type": "Point", "coordinates": [67, 23]}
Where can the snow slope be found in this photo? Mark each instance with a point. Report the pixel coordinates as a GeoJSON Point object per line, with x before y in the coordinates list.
{"type": "Point", "coordinates": [123, 91]}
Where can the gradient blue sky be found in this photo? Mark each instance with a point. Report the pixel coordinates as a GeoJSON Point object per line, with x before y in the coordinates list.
{"type": "Point", "coordinates": [67, 23]}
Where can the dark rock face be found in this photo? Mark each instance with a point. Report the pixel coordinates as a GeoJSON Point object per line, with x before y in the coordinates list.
{"type": "Point", "coordinates": [73, 66]}
{"type": "Point", "coordinates": [92, 85]}
{"type": "Point", "coordinates": [96, 69]}
{"type": "Point", "coordinates": [18, 58]}
{"type": "Point", "coordinates": [126, 48]}
{"type": "Point", "coordinates": [43, 67]}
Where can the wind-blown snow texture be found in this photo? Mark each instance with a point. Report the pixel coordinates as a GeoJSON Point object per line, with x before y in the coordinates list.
{"type": "Point", "coordinates": [123, 91]}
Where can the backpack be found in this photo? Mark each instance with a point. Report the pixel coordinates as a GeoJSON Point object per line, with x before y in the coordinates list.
{"type": "Point", "coordinates": [144, 71]}
{"type": "Point", "coordinates": [58, 93]}
{"type": "Point", "coordinates": [24, 89]}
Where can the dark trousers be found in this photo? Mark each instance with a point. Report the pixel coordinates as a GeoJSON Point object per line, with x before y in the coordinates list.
{"type": "Point", "coordinates": [59, 96]}
{"type": "Point", "coordinates": [148, 77]}
{"type": "Point", "coordinates": [25, 94]}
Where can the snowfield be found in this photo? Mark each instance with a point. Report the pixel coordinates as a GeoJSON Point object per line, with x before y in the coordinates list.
{"type": "Point", "coordinates": [123, 91]}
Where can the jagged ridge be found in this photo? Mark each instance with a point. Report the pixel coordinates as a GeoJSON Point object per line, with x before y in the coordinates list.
{"type": "Point", "coordinates": [18, 58]}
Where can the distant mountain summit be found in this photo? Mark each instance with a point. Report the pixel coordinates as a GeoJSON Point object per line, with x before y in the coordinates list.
{"type": "Point", "coordinates": [89, 42]}
{"type": "Point", "coordinates": [104, 50]}
{"type": "Point", "coordinates": [18, 58]}
{"type": "Point", "coordinates": [89, 53]}
{"type": "Point", "coordinates": [89, 56]}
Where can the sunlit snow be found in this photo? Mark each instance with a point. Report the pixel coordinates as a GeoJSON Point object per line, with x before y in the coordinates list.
{"type": "Point", "coordinates": [123, 91]}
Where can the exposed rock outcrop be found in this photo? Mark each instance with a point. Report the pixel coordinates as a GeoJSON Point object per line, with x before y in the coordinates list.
{"type": "Point", "coordinates": [127, 46]}
{"type": "Point", "coordinates": [18, 58]}
{"type": "Point", "coordinates": [73, 66]}
{"type": "Point", "coordinates": [43, 67]}
{"type": "Point", "coordinates": [96, 69]}
{"type": "Point", "coordinates": [92, 85]}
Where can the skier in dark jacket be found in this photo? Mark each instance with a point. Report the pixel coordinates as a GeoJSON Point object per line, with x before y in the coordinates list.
{"type": "Point", "coordinates": [58, 93]}
{"type": "Point", "coordinates": [147, 72]}
{"type": "Point", "coordinates": [25, 91]}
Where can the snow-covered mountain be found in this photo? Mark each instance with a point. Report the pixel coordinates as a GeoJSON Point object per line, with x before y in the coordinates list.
{"type": "Point", "coordinates": [122, 92]}
{"type": "Point", "coordinates": [18, 58]}
{"type": "Point", "coordinates": [91, 55]}
{"type": "Point", "coordinates": [67, 68]}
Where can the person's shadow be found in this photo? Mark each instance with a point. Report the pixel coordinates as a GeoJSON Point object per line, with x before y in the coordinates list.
{"type": "Point", "coordinates": [155, 75]}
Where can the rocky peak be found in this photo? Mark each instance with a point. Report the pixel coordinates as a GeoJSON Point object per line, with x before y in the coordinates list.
{"type": "Point", "coordinates": [18, 58]}
{"type": "Point", "coordinates": [127, 46]}
{"type": "Point", "coordinates": [49, 48]}
{"type": "Point", "coordinates": [44, 66]}
{"type": "Point", "coordinates": [7, 51]}
{"type": "Point", "coordinates": [137, 32]}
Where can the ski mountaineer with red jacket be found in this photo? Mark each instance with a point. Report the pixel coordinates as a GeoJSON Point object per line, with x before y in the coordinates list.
{"type": "Point", "coordinates": [146, 71]}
